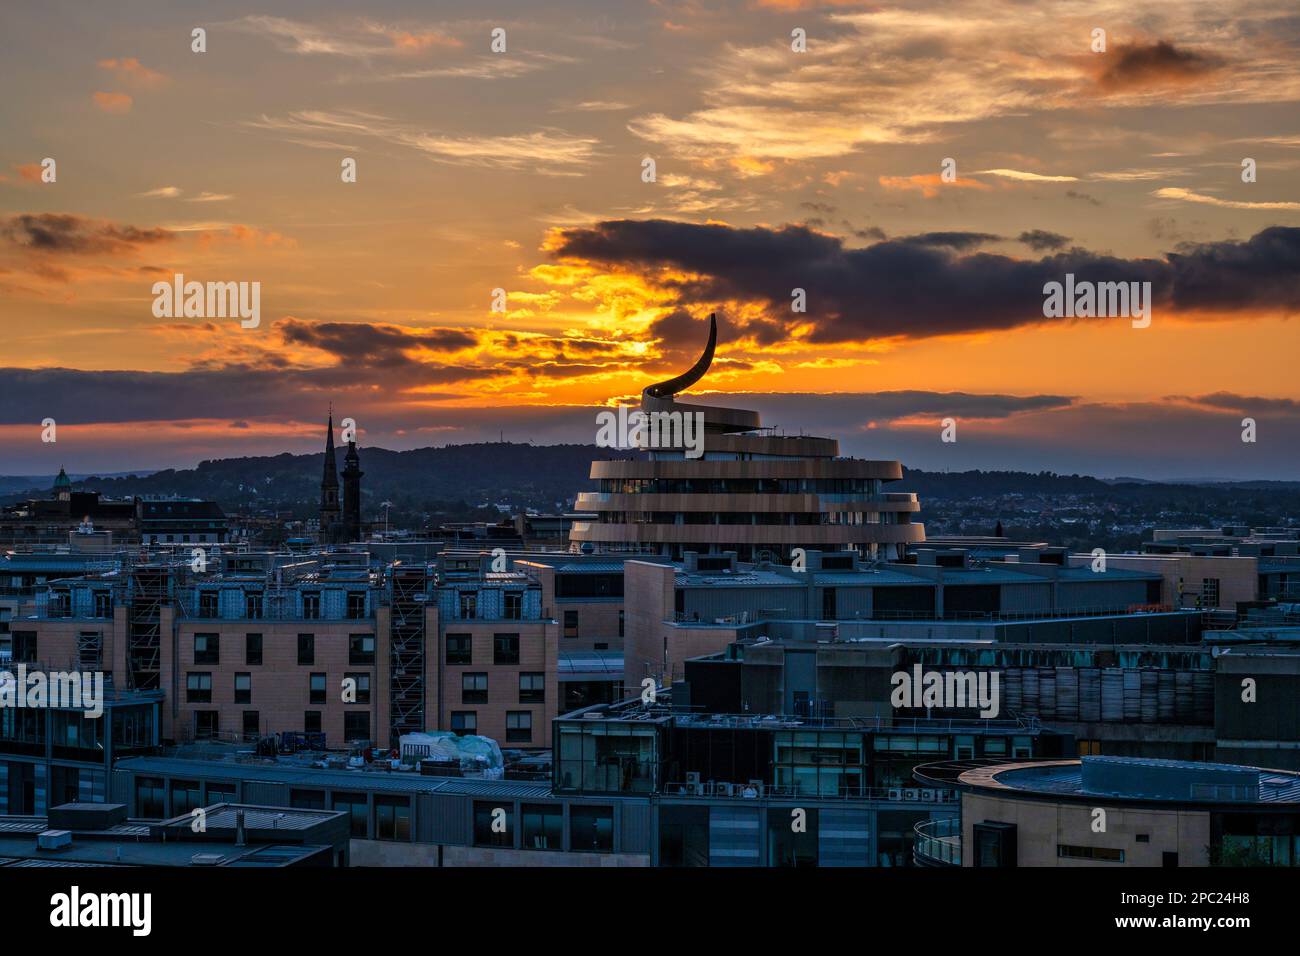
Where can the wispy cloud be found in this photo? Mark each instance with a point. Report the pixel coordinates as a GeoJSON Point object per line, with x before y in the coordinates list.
{"type": "Point", "coordinates": [1186, 195]}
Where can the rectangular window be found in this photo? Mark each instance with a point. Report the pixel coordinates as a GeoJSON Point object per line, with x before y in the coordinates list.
{"type": "Point", "coordinates": [393, 818]}
{"type": "Point", "coordinates": [543, 826]}
{"type": "Point", "coordinates": [207, 648]}
{"type": "Point", "coordinates": [570, 623]}
{"type": "Point", "coordinates": [620, 622]}
{"type": "Point", "coordinates": [356, 605]}
{"type": "Point", "coordinates": [492, 824]}
{"type": "Point", "coordinates": [473, 688]}
{"type": "Point", "coordinates": [1106, 853]}
{"type": "Point", "coordinates": [505, 649]}
{"type": "Point", "coordinates": [464, 722]}
{"type": "Point", "coordinates": [591, 829]}
{"type": "Point", "coordinates": [355, 805]}
{"type": "Point", "coordinates": [459, 649]}
{"type": "Point", "coordinates": [311, 721]}
{"type": "Point", "coordinates": [514, 605]}
{"type": "Point", "coordinates": [207, 604]}
{"type": "Point", "coordinates": [252, 649]}
{"type": "Point", "coordinates": [306, 648]}
{"type": "Point", "coordinates": [253, 605]}
{"type": "Point", "coordinates": [1209, 592]}
{"type": "Point", "coordinates": [317, 689]}
{"type": "Point", "coordinates": [24, 647]}
{"type": "Point", "coordinates": [356, 725]}
{"type": "Point", "coordinates": [362, 687]}
{"type": "Point", "coordinates": [252, 724]}
{"type": "Point", "coordinates": [311, 605]}
{"type": "Point", "coordinates": [532, 688]}
{"type": "Point", "coordinates": [361, 650]}
{"type": "Point", "coordinates": [468, 605]}
{"type": "Point", "coordinates": [186, 796]}
{"type": "Point", "coordinates": [198, 688]}
{"type": "Point", "coordinates": [243, 688]}
{"type": "Point", "coordinates": [307, 799]}
{"type": "Point", "coordinates": [103, 604]}
{"type": "Point", "coordinates": [150, 798]}
{"type": "Point", "coordinates": [519, 726]}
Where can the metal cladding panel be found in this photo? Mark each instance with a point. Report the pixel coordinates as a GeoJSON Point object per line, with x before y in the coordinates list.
{"type": "Point", "coordinates": [1013, 687]}
{"type": "Point", "coordinates": [1112, 695]}
{"type": "Point", "coordinates": [1203, 697]}
{"type": "Point", "coordinates": [121, 787]}
{"type": "Point", "coordinates": [1067, 693]}
{"type": "Point", "coordinates": [733, 836]}
{"type": "Point", "coordinates": [1047, 692]}
{"type": "Point", "coordinates": [1090, 694]}
{"type": "Point", "coordinates": [444, 818]}
{"type": "Point", "coordinates": [1030, 681]}
{"type": "Point", "coordinates": [844, 838]}
{"type": "Point", "coordinates": [1183, 698]}
{"type": "Point", "coordinates": [1150, 695]}
{"type": "Point", "coordinates": [635, 828]}
{"type": "Point", "coordinates": [1165, 698]}
{"type": "Point", "coordinates": [1027, 597]}
{"type": "Point", "coordinates": [262, 793]}
{"type": "Point", "coordinates": [1133, 696]}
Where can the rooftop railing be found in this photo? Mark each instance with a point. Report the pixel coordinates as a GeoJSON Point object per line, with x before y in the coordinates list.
{"type": "Point", "coordinates": [938, 842]}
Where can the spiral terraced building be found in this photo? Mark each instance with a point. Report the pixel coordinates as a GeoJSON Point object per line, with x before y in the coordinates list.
{"type": "Point", "coordinates": [752, 492]}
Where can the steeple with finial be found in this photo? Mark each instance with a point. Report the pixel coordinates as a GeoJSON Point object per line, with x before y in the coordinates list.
{"type": "Point", "coordinates": [329, 485]}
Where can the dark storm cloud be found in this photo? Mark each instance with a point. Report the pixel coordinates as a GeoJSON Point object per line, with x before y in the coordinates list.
{"type": "Point", "coordinates": [366, 342]}
{"type": "Point", "coordinates": [1041, 240]}
{"type": "Point", "coordinates": [1156, 64]}
{"type": "Point", "coordinates": [56, 233]}
{"type": "Point", "coordinates": [902, 287]}
{"type": "Point", "coordinates": [950, 240]}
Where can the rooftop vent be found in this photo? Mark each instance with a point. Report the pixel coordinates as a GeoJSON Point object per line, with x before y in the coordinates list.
{"type": "Point", "coordinates": [54, 840]}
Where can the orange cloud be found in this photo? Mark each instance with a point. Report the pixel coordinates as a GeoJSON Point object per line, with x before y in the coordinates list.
{"type": "Point", "coordinates": [29, 172]}
{"type": "Point", "coordinates": [928, 184]}
{"type": "Point", "coordinates": [413, 43]}
{"type": "Point", "coordinates": [113, 102]}
{"type": "Point", "coordinates": [132, 71]}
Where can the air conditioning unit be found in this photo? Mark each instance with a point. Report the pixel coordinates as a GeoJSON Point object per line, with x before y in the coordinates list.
{"type": "Point", "coordinates": [927, 796]}
{"type": "Point", "coordinates": [725, 790]}
{"type": "Point", "coordinates": [757, 786]}
{"type": "Point", "coordinates": [895, 793]}
{"type": "Point", "coordinates": [206, 859]}
{"type": "Point", "coordinates": [911, 794]}
{"type": "Point", "coordinates": [54, 839]}
{"type": "Point", "coordinates": [693, 783]}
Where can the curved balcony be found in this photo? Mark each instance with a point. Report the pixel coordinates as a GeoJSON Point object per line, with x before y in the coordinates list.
{"type": "Point", "coordinates": [937, 842]}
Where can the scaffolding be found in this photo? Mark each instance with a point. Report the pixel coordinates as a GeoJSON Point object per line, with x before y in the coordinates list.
{"type": "Point", "coordinates": [150, 587]}
{"type": "Point", "coordinates": [406, 669]}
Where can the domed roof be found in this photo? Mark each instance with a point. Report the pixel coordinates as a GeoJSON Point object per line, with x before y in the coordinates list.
{"type": "Point", "coordinates": [63, 481]}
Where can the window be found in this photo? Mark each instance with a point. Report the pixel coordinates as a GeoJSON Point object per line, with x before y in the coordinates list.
{"type": "Point", "coordinates": [543, 826]}
{"type": "Point", "coordinates": [150, 798]}
{"type": "Point", "coordinates": [356, 605]}
{"type": "Point", "coordinates": [207, 604]}
{"type": "Point", "coordinates": [361, 649]}
{"type": "Point", "coordinates": [514, 605]}
{"type": "Point", "coordinates": [252, 724]}
{"type": "Point", "coordinates": [570, 623]}
{"type": "Point", "coordinates": [473, 688]}
{"type": "Point", "coordinates": [24, 647]}
{"type": "Point", "coordinates": [311, 721]}
{"type": "Point", "coordinates": [459, 649]}
{"type": "Point", "coordinates": [206, 723]}
{"type": "Point", "coordinates": [253, 605]}
{"type": "Point", "coordinates": [532, 688]}
{"type": "Point", "coordinates": [1209, 592]}
{"type": "Point", "coordinates": [356, 725]}
{"type": "Point", "coordinates": [243, 688]}
{"type": "Point", "coordinates": [252, 649]}
{"type": "Point", "coordinates": [103, 604]}
{"type": "Point", "coordinates": [220, 793]}
{"type": "Point", "coordinates": [393, 818]}
{"type": "Point", "coordinates": [198, 688]}
{"type": "Point", "coordinates": [186, 796]}
{"type": "Point", "coordinates": [311, 605]}
{"type": "Point", "coordinates": [519, 726]}
{"type": "Point", "coordinates": [505, 649]}
{"type": "Point", "coordinates": [620, 622]}
{"type": "Point", "coordinates": [1109, 854]}
{"type": "Point", "coordinates": [207, 649]}
{"type": "Point", "coordinates": [591, 829]}
{"type": "Point", "coordinates": [355, 805]}
{"type": "Point", "coordinates": [492, 824]}
{"type": "Point", "coordinates": [1089, 748]}
{"type": "Point", "coordinates": [317, 689]}
{"type": "Point", "coordinates": [468, 604]}
{"type": "Point", "coordinates": [464, 722]}
{"type": "Point", "coordinates": [362, 686]}
{"type": "Point", "coordinates": [307, 799]}
{"type": "Point", "coordinates": [306, 648]}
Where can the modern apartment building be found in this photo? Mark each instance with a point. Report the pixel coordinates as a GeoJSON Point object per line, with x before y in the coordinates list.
{"type": "Point", "coordinates": [749, 490]}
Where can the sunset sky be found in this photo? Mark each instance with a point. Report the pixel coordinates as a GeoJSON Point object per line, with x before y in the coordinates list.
{"type": "Point", "coordinates": [775, 170]}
